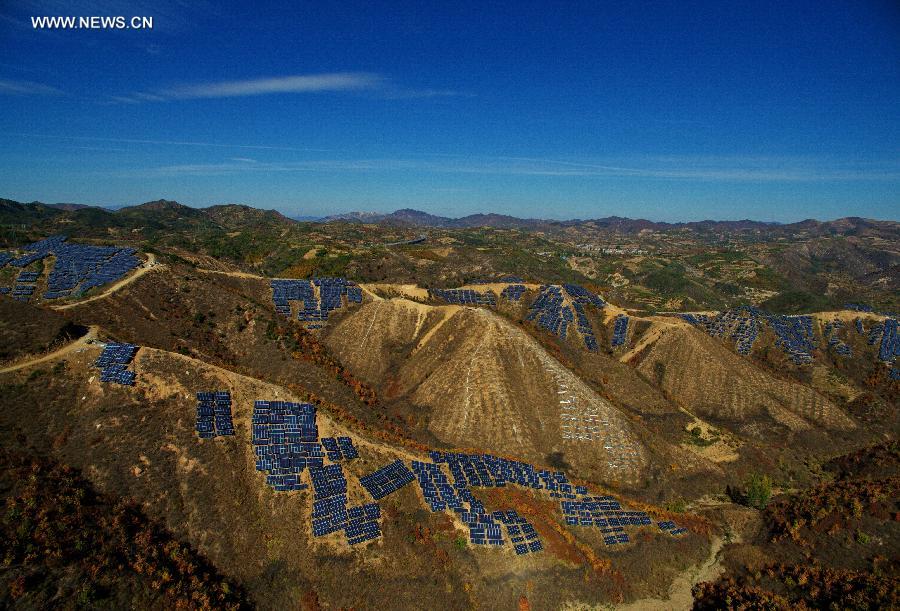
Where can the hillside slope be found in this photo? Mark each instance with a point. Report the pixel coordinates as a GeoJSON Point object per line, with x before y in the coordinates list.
{"type": "Point", "coordinates": [488, 384]}
{"type": "Point", "coordinates": [709, 380]}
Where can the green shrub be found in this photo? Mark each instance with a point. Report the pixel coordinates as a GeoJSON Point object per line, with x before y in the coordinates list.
{"type": "Point", "coordinates": [759, 490]}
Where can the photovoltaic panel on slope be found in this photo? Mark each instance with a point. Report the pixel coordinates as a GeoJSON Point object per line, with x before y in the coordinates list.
{"type": "Point", "coordinates": [214, 414]}
{"type": "Point", "coordinates": [285, 441]}
{"type": "Point", "coordinates": [330, 513]}
{"type": "Point", "coordinates": [386, 480]}
{"type": "Point", "coordinates": [27, 276]}
{"type": "Point", "coordinates": [889, 348]}
{"type": "Point", "coordinates": [620, 330]}
{"type": "Point", "coordinates": [117, 374]}
{"type": "Point", "coordinates": [465, 297]}
{"type": "Point", "coordinates": [549, 312]}
{"type": "Point", "coordinates": [113, 362]}
{"type": "Point", "coordinates": [314, 310]}
{"type": "Point", "coordinates": [513, 292]}
{"type": "Point", "coordinates": [116, 354]}
{"type": "Point", "coordinates": [340, 448]}
{"type": "Point", "coordinates": [38, 250]}
{"type": "Point", "coordinates": [794, 335]}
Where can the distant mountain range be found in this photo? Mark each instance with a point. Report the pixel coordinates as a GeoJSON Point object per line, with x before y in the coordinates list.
{"type": "Point", "coordinates": [12, 212]}
{"type": "Point", "coordinates": [417, 218]}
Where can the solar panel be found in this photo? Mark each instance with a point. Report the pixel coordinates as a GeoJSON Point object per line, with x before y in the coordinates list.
{"type": "Point", "coordinates": [285, 442]}
{"type": "Point", "coordinates": [113, 362]}
{"type": "Point", "coordinates": [214, 414]}
{"type": "Point", "coordinates": [549, 312]}
{"type": "Point", "coordinates": [387, 480]}
{"type": "Point", "coordinates": [620, 330]}
{"type": "Point", "coordinates": [340, 448]}
{"type": "Point", "coordinates": [465, 297]}
{"type": "Point", "coordinates": [77, 267]}
{"type": "Point", "coordinates": [794, 335]}
{"type": "Point", "coordinates": [315, 309]}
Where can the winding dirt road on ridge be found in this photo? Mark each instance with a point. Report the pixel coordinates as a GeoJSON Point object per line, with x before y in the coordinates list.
{"type": "Point", "coordinates": [148, 266]}
{"type": "Point", "coordinates": [50, 356]}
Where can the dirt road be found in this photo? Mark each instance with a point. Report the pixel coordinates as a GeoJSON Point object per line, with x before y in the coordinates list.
{"type": "Point", "coordinates": [150, 265]}
{"type": "Point", "coordinates": [67, 349]}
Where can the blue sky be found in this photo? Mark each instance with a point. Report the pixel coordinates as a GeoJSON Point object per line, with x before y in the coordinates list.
{"type": "Point", "coordinates": [661, 110]}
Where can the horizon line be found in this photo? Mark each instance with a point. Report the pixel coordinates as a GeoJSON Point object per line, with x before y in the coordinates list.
{"type": "Point", "coordinates": [335, 216]}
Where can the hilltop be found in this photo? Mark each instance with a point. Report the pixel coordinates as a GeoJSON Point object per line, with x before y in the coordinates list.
{"type": "Point", "coordinates": [523, 367]}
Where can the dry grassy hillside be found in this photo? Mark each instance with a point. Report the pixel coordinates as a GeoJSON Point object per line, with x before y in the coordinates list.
{"type": "Point", "coordinates": [25, 329]}
{"type": "Point", "coordinates": [140, 443]}
{"type": "Point", "coordinates": [488, 384]}
{"type": "Point", "coordinates": [711, 381]}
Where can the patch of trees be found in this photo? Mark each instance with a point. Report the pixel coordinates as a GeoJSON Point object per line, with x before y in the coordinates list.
{"type": "Point", "coordinates": [305, 346]}
{"type": "Point", "coordinates": [62, 543]}
{"type": "Point", "coordinates": [756, 492]}
{"type": "Point", "coordinates": [800, 587]}
{"type": "Point", "coordinates": [832, 506]}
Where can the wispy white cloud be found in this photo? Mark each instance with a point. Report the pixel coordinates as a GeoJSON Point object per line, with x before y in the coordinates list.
{"type": "Point", "coordinates": [26, 88]}
{"type": "Point", "coordinates": [309, 83]}
{"type": "Point", "coordinates": [359, 82]}
{"type": "Point", "coordinates": [687, 169]}
{"type": "Point", "coordinates": [167, 142]}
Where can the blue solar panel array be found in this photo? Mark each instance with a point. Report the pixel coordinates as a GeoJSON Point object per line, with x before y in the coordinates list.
{"type": "Point", "coordinates": [890, 341]}
{"type": "Point", "coordinates": [330, 512]}
{"type": "Point", "coordinates": [500, 280]}
{"type": "Point", "coordinates": [606, 514]}
{"type": "Point", "coordinates": [793, 334]}
{"type": "Point", "coordinates": [549, 312]}
{"type": "Point", "coordinates": [834, 342]}
{"type": "Point", "coordinates": [214, 414]}
{"type": "Point", "coordinates": [38, 250]}
{"type": "Point", "coordinates": [520, 531]}
{"type": "Point", "coordinates": [78, 267]}
{"type": "Point", "coordinates": [386, 480]}
{"type": "Point", "coordinates": [340, 448]}
{"type": "Point", "coordinates": [314, 310]}
{"type": "Point", "coordinates": [671, 528]}
{"type": "Point", "coordinates": [6, 257]}
{"type": "Point", "coordinates": [466, 297]}
{"type": "Point", "coordinates": [484, 528]}
{"type": "Point", "coordinates": [620, 330]}
{"type": "Point", "coordinates": [513, 292]}
{"type": "Point", "coordinates": [285, 440]}
{"type": "Point", "coordinates": [581, 295]}
{"type": "Point", "coordinates": [113, 363]}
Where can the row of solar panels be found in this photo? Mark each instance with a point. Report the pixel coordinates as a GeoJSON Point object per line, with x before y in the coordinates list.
{"type": "Point", "coordinates": [386, 480]}
{"type": "Point", "coordinates": [214, 414]}
{"type": "Point", "coordinates": [331, 294]}
{"type": "Point", "coordinates": [466, 297]}
{"type": "Point", "coordinates": [113, 362]}
{"type": "Point", "coordinates": [77, 266]}
{"type": "Point", "coordinates": [549, 312]}
{"type": "Point", "coordinates": [794, 334]}
{"type": "Point", "coordinates": [513, 292]}
{"type": "Point", "coordinates": [620, 330]}
{"type": "Point", "coordinates": [340, 448]}
{"type": "Point", "coordinates": [483, 527]}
